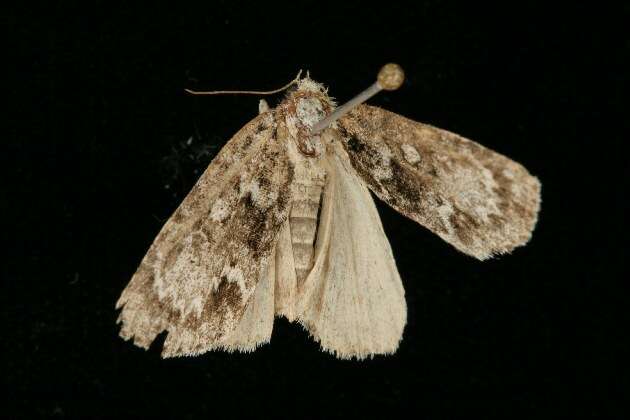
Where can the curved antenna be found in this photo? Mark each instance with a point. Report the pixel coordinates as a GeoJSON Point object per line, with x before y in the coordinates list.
{"type": "Point", "coordinates": [246, 92]}
{"type": "Point", "coordinates": [390, 77]}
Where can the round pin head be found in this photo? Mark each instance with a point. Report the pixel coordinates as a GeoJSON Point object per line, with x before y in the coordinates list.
{"type": "Point", "coordinates": [391, 76]}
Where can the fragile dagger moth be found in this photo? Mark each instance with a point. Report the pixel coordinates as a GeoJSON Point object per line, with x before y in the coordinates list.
{"type": "Point", "coordinates": [282, 224]}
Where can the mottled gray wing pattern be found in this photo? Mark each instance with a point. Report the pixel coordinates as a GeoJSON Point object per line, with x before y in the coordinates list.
{"type": "Point", "coordinates": [202, 268]}
{"type": "Point", "coordinates": [477, 200]}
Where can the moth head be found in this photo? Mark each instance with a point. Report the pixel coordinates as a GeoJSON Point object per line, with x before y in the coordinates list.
{"type": "Point", "coordinates": [302, 108]}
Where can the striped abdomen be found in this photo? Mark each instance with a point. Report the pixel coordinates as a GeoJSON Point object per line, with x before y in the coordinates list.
{"type": "Point", "coordinates": [303, 222]}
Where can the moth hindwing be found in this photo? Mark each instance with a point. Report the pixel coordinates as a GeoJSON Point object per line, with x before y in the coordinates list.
{"type": "Point", "coordinates": [282, 224]}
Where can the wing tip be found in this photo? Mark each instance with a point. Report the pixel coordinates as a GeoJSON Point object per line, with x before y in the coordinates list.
{"type": "Point", "coordinates": [516, 232]}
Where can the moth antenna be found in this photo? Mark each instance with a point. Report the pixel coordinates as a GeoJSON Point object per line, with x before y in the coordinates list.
{"type": "Point", "coordinates": [246, 92]}
{"type": "Point", "coordinates": [390, 77]}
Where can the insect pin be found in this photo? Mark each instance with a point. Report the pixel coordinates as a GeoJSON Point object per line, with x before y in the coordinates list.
{"type": "Point", "coordinates": [282, 223]}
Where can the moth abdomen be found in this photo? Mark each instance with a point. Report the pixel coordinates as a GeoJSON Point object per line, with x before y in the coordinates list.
{"type": "Point", "coordinates": [303, 220]}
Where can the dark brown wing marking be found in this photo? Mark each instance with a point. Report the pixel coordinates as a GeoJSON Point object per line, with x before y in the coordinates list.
{"type": "Point", "coordinates": [479, 201]}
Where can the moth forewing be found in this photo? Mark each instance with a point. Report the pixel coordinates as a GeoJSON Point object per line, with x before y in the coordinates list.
{"type": "Point", "coordinates": [477, 200]}
{"type": "Point", "coordinates": [198, 276]}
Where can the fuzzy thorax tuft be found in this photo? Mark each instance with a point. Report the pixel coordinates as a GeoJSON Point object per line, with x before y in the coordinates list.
{"type": "Point", "coordinates": [308, 84]}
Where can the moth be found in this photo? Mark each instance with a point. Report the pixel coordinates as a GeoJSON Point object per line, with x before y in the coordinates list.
{"type": "Point", "coordinates": [282, 223]}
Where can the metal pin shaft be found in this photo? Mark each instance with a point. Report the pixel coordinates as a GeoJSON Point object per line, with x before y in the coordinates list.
{"type": "Point", "coordinates": [390, 77]}
{"type": "Point", "coordinates": [347, 107]}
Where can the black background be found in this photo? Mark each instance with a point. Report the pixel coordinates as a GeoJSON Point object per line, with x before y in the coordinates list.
{"type": "Point", "coordinates": [98, 158]}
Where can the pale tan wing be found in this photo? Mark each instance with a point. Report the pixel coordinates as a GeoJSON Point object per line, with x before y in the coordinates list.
{"type": "Point", "coordinates": [202, 268]}
{"type": "Point", "coordinates": [477, 200]}
{"type": "Point", "coordinates": [352, 301]}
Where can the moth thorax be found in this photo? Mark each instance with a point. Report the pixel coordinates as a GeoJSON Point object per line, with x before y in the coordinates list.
{"type": "Point", "coordinates": [304, 112]}
{"type": "Point", "coordinates": [309, 110]}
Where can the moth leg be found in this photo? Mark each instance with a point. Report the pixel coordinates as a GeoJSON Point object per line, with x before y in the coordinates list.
{"type": "Point", "coordinates": [263, 106]}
